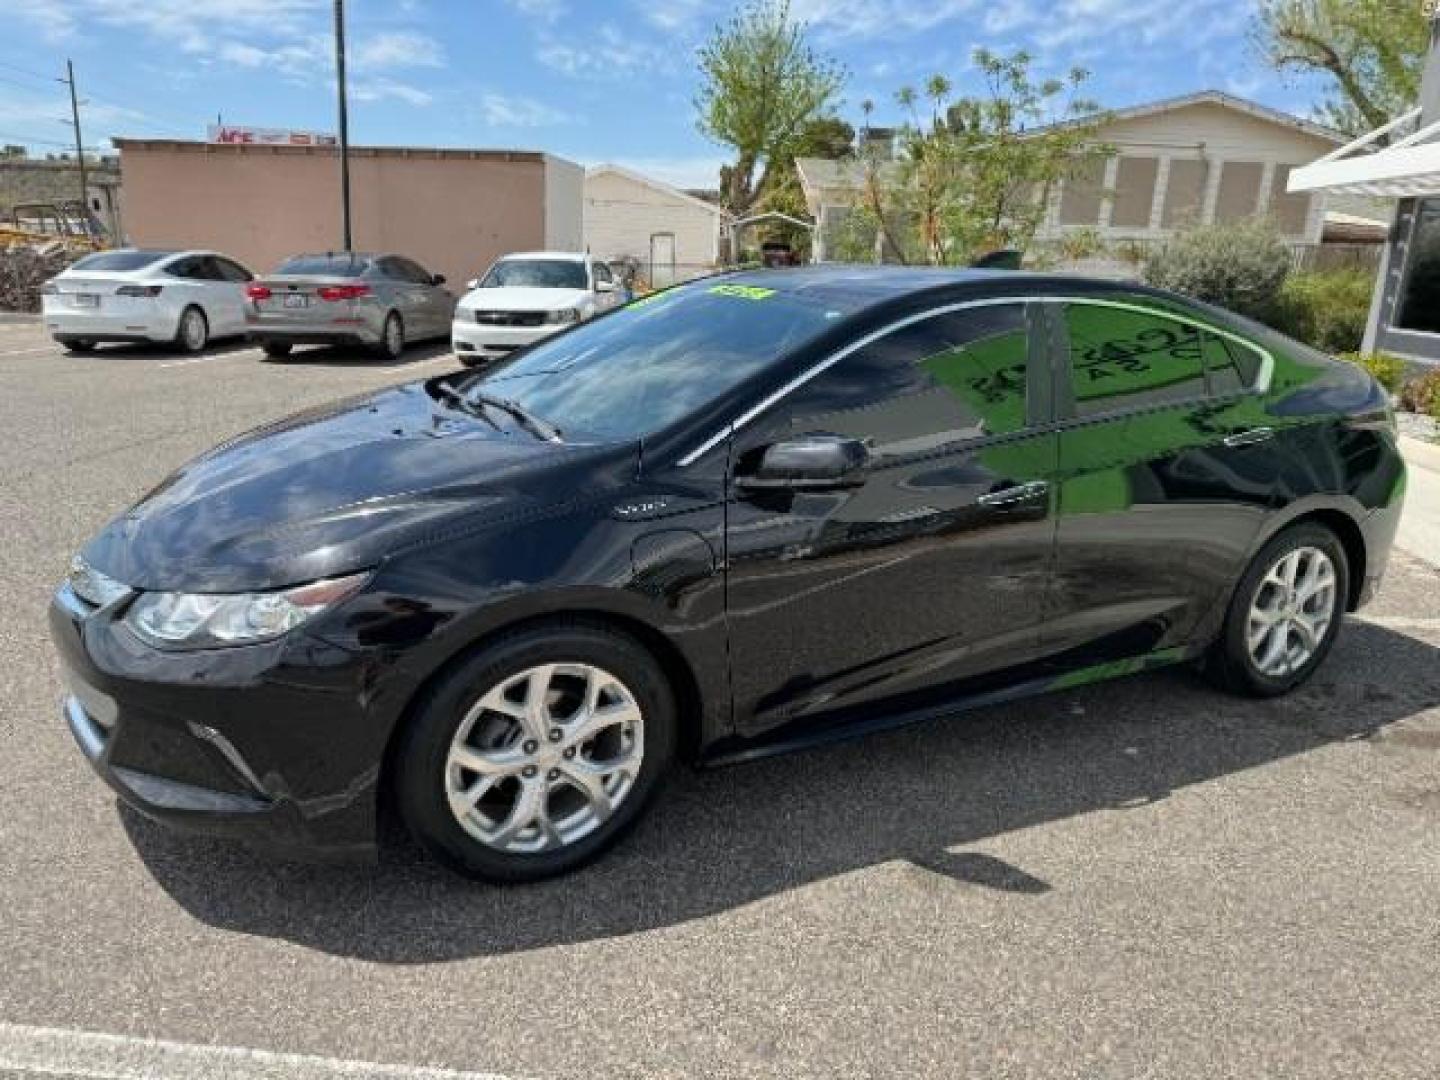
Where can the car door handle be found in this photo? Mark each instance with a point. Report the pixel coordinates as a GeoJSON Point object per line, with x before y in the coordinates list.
{"type": "Point", "coordinates": [1011, 495]}
{"type": "Point", "coordinates": [1249, 438]}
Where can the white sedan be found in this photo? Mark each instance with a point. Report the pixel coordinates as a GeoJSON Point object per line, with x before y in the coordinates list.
{"type": "Point", "coordinates": [527, 296]}
{"type": "Point", "coordinates": [188, 298]}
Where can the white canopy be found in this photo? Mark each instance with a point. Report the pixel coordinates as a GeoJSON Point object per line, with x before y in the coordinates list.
{"type": "Point", "coordinates": [1408, 167]}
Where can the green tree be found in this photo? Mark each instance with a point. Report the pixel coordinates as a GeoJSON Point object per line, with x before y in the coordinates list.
{"type": "Point", "coordinates": [975, 173]}
{"type": "Point", "coordinates": [762, 84]}
{"type": "Point", "coordinates": [1371, 51]}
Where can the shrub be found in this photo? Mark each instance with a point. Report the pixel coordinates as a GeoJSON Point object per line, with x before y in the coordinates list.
{"type": "Point", "coordinates": [1239, 266]}
{"type": "Point", "coordinates": [1389, 371]}
{"type": "Point", "coordinates": [1422, 394]}
{"type": "Point", "coordinates": [1328, 309]}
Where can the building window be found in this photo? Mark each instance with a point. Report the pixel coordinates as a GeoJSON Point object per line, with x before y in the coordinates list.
{"type": "Point", "coordinates": [1419, 305]}
{"type": "Point", "coordinates": [1185, 193]}
{"type": "Point", "coordinates": [1290, 211]}
{"type": "Point", "coordinates": [1080, 198]}
{"type": "Point", "coordinates": [1134, 192]}
{"type": "Point", "coordinates": [1239, 190]}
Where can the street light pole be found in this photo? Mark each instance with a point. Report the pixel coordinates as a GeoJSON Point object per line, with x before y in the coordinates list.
{"type": "Point", "coordinates": [79, 144]}
{"type": "Point", "coordinates": [344, 120]}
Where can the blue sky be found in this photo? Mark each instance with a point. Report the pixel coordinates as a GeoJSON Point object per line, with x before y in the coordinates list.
{"type": "Point", "coordinates": [593, 80]}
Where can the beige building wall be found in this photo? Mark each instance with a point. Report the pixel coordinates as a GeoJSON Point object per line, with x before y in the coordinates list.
{"type": "Point", "coordinates": [453, 211]}
{"type": "Point", "coordinates": [622, 213]}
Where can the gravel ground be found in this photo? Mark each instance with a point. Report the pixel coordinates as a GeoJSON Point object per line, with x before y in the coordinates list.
{"type": "Point", "coordinates": [1140, 879]}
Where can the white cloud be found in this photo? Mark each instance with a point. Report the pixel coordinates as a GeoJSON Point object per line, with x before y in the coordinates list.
{"type": "Point", "coordinates": [398, 49]}
{"type": "Point", "coordinates": [675, 15]}
{"type": "Point", "coordinates": [548, 11]}
{"type": "Point", "coordinates": [381, 89]}
{"type": "Point", "coordinates": [504, 110]}
{"type": "Point", "coordinates": [837, 19]}
{"type": "Point", "coordinates": [610, 54]}
{"type": "Point", "coordinates": [53, 17]}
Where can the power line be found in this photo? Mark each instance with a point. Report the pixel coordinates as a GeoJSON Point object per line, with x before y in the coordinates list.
{"type": "Point", "coordinates": [35, 141]}
{"type": "Point", "coordinates": [27, 71]}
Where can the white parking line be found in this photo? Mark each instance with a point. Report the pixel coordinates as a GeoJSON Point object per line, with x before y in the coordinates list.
{"type": "Point", "coordinates": [41, 1051]}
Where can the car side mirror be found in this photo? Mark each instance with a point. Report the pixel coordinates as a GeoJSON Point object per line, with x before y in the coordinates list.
{"type": "Point", "coordinates": [604, 286]}
{"type": "Point", "coordinates": [437, 279]}
{"type": "Point", "coordinates": [809, 463]}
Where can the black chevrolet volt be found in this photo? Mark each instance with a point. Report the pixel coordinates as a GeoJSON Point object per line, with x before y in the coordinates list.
{"type": "Point", "coordinates": [740, 516]}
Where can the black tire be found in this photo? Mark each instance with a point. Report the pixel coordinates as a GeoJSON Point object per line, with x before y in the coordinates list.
{"type": "Point", "coordinates": [392, 342]}
{"type": "Point", "coordinates": [420, 767]}
{"type": "Point", "coordinates": [277, 350]}
{"type": "Point", "coordinates": [183, 341]}
{"type": "Point", "coordinates": [1229, 662]}
{"type": "Point", "coordinates": [79, 345]}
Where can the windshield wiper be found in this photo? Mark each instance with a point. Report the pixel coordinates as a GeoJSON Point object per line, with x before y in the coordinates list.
{"type": "Point", "coordinates": [462, 401]}
{"type": "Point", "coordinates": [534, 424]}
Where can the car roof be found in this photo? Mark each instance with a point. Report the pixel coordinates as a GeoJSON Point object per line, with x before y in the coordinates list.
{"type": "Point", "coordinates": [852, 288]}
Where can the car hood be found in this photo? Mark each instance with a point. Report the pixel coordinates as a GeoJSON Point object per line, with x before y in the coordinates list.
{"type": "Point", "coordinates": [337, 489]}
{"type": "Point", "coordinates": [516, 298]}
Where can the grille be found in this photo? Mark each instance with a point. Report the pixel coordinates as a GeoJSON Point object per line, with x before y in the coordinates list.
{"type": "Point", "coordinates": [511, 318]}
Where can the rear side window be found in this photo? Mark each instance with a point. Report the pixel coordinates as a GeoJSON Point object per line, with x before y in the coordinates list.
{"type": "Point", "coordinates": [1125, 359]}
{"type": "Point", "coordinates": [341, 265]}
{"type": "Point", "coordinates": [120, 261]}
{"type": "Point", "coordinates": [947, 379]}
{"type": "Point", "coordinates": [1231, 366]}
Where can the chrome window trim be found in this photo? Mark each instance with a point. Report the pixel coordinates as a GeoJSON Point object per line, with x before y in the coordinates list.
{"type": "Point", "coordinates": [1261, 384]}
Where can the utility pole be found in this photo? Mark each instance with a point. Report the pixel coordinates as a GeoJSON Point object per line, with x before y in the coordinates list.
{"type": "Point", "coordinates": [344, 120]}
{"type": "Point", "coordinates": [69, 81]}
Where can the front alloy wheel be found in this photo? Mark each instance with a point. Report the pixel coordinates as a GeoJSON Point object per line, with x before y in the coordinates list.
{"type": "Point", "coordinates": [545, 757]}
{"type": "Point", "coordinates": [536, 753]}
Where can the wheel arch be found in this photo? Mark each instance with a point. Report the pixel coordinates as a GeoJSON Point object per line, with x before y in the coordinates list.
{"type": "Point", "coordinates": [1340, 515]}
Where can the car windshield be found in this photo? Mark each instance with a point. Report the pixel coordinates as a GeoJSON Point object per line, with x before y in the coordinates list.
{"type": "Point", "coordinates": [536, 274]}
{"type": "Point", "coordinates": [120, 261]}
{"type": "Point", "coordinates": [642, 368]}
{"type": "Point", "coordinates": [330, 265]}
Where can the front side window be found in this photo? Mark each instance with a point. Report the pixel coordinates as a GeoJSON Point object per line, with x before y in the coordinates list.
{"type": "Point", "coordinates": [536, 274]}
{"type": "Point", "coordinates": [1122, 359]}
{"type": "Point", "coordinates": [602, 272]}
{"type": "Point", "coordinates": [654, 361]}
{"type": "Point", "coordinates": [950, 378]}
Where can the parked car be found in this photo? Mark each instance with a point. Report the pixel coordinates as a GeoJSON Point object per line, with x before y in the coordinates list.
{"type": "Point", "coordinates": [525, 297]}
{"type": "Point", "coordinates": [741, 516]}
{"type": "Point", "coordinates": [189, 298]}
{"type": "Point", "coordinates": [348, 298]}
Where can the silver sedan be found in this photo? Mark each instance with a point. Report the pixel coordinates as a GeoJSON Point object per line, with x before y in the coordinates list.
{"type": "Point", "coordinates": [354, 298]}
{"type": "Point", "coordinates": [185, 297]}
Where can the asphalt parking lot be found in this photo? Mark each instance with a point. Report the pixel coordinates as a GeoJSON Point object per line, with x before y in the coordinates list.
{"type": "Point", "coordinates": [1144, 878]}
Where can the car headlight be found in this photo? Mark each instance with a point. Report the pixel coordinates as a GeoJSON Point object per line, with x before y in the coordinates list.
{"type": "Point", "coordinates": [564, 315]}
{"type": "Point", "coordinates": [170, 620]}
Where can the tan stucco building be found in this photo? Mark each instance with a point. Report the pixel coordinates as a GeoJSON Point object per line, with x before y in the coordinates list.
{"type": "Point", "coordinates": [453, 211]}
{"type": "Point", "coordinates": [670, 234]}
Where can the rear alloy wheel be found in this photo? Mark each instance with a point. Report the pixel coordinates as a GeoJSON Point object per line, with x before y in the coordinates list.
{"type": "Point", "coordinates": [276, 350]}
{"type": "Point", "coordinates": [392, 339]}
{"type": "Point", "coordinates": [193, 333]}
{"type": "Point", "coordinates": [537, 755]}
{"type": "Point", "coordinates": [1285, 614]}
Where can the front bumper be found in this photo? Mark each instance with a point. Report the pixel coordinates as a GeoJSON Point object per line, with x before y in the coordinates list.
{"type": "Point", "coordinates": [272, 744]}
{"type": "Point", "coordinates": [469, 338]}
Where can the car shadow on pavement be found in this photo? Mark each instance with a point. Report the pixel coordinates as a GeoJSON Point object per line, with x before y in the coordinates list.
{"type": "Point", "coordinates": [721, 839]}
{"type": "Point", "coordinates": [355, 356]}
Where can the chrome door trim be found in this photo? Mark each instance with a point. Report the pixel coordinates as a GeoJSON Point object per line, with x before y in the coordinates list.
{"type": "Point", "coordinates": [1262, 380]}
